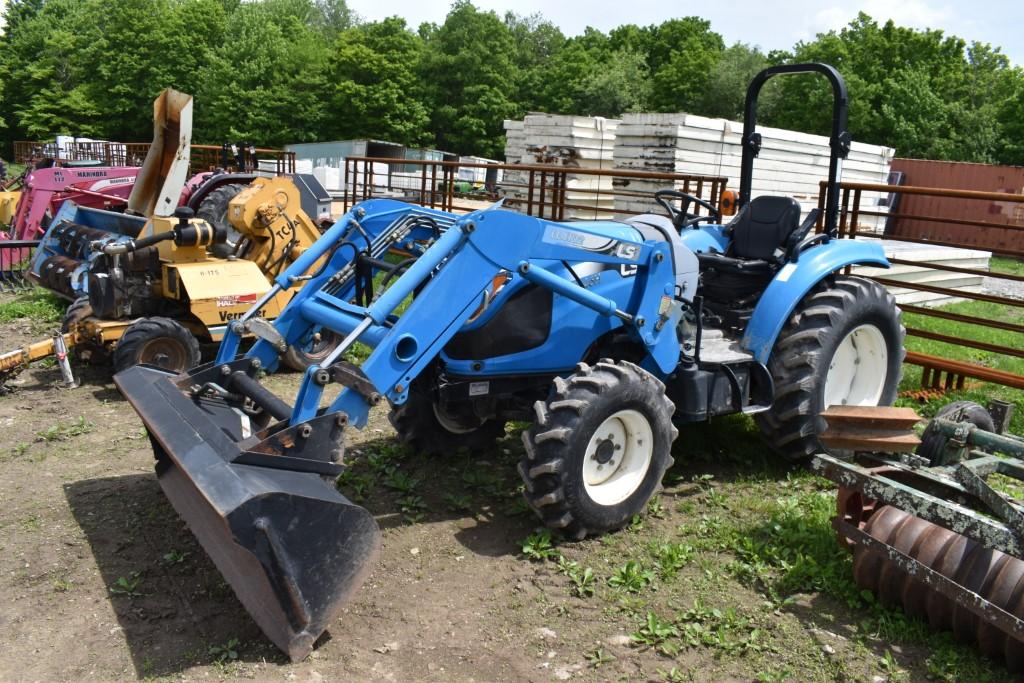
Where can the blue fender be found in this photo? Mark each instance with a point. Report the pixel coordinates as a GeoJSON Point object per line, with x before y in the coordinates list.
{"type": "Point", "coordinates": [794, 280]}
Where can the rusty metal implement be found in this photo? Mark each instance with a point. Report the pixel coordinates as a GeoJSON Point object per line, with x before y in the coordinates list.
{"type": "Point", "coordinates": [940, 541]}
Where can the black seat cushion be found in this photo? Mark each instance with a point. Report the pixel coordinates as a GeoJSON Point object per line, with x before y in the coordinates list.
{"type": "Point", "coordinates": [732, 280]}
{"type": "Point", "coordinates": [765, 226]}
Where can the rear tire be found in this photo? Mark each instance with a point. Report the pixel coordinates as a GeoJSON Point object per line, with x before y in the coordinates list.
{"type": "Point", "coordinates": [214, 210]}
{"type": "Point", "coordinates": [423, 426]}
{"type": "Point", "coordinates": [599, 448]}
{"type": "Point", "coordinates": [157, 341]}
{"type": "Point", "coordinates": [843, 345]}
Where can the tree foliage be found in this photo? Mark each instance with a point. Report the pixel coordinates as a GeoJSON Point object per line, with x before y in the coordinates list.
{"type": "Point", "coordinates": [279, 71]}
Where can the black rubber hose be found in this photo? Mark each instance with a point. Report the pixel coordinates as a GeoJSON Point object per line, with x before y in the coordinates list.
{"type": "Point", "coordinates": [400, 266]}
{"type": "Point", "coordinates": [151, 240]}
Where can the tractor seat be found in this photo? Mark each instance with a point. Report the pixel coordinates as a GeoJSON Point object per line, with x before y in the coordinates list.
{"type": "Point", "coordinates": [762, 234]}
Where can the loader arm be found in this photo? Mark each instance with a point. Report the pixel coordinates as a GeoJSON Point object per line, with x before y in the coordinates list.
{"type": "Point", "coordinates": [450, 277]}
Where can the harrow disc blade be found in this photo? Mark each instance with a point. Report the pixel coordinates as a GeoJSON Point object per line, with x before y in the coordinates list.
{"type": "Point", "coordinates": [291, 547]}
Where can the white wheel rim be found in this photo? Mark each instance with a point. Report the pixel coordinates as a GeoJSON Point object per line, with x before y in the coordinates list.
{"type": "Point", "coordinates": [450, 424]}
{"type": "Point", "coordinates": [857, 371]}
{"type": "Point", "coordinates": [618, 456]}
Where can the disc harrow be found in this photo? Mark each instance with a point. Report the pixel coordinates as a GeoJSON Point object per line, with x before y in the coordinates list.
{"type": "Point", "coordinates": [943, 542]}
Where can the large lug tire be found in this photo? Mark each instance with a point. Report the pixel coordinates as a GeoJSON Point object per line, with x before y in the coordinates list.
{"type": "Point", "coordinates": [299, 359]}
{"type": "Point", "coordinates": [157, 341]}
{"type": "Point", "coordinates": [933, 444]}
{"type": "Point", "coordinates": [214, 210]}
{"type": "Point", "coordinates": [91, 353]}
{"type": "Point", "coordinates": [78, 311]}
{"type": "Point", "coordinates": [599, 448]}
{"type": "Point", "coordinates": [424, 427]}
{"type": "Point", "coordinates": [843, 345]}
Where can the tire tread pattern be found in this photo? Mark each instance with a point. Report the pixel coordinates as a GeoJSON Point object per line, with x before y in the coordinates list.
{"type": "Point", "coordinates": [791, 426]}
{"type": "Point", "coordinates": [146, 329]}
{"type": "Point", "coordinates": [545, 470]}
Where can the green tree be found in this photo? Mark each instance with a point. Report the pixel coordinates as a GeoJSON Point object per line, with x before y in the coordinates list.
{"type": "Point", "coordinates": [619, 84]}
{"type": "Point", "coordinates": [46, 94]}
{"type": "Point", "coordinates": [264, 83]}
{"type": "Point", "coordinates": [331, 17]}
{"type": "Point", "coordinates": [1010, 117]}
{"type": "Point", "coordinates": [468, 64]}
{"type": "Point", "coordinates": [591, 76]}
{"type": "Point", "coordinates": [376, 90]}
{"type": "Point", "coordinates": [169, 44]}
{"type": "Point", "coordinates": [536, 42]}
{"type": "Point", "coordinates": [682, 55]}
{"type": "Point", "coordinates": [926, 94]}
{"type": "Point", "coordinates": [726, 88]}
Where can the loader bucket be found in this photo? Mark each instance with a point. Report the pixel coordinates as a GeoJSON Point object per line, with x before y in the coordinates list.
{"type": "Point", "coordinates": [291, 547]}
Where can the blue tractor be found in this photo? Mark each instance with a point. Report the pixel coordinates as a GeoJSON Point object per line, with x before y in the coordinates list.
{"type": "Point", "coordinates": [606, 336]}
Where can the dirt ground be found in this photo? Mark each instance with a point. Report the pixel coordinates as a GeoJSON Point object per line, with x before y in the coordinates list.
{"type": "Point", "coordinates": [102, 581]}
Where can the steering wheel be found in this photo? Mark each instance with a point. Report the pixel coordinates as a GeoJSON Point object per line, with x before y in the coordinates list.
{"type": "Point", "coordinates": [682, 218]}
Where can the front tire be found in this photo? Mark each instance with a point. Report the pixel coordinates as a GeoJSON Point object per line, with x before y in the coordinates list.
{"type": "Point", "coordinates": [843, 345]}
{"type": "Point", "coordinates": [88, 352]}
{"type": "Point", "coordinates": [157, 341]}
{"type": "Point", "coordinates": [599, 448]}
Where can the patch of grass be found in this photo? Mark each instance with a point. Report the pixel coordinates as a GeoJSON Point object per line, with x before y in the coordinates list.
{"type": "Point", "coordinates": [1001, 264]}
{"type": "Point", "coordinates": [598, 657]}
{"type": "Point", "coordinates": [458, 502]}
{"type": "Point", "coordinates": [174, 557]}
{"type": "Point", "coordinates": [63, 432]}
{"type": "Point", "coordinates": [539, 546]}
{"type": "Point", "coordinates": [37, 305]}
{"type": "Point", "coordinates": [727, 630]}
{"type": "Point", "coordinates": [31, 523]}
{"type": "Point", "coordinates": [670, 557]}
{"type": "Point", "coordinates": [976, 391]}
{"type": "Point", "coordinates": [962, 330]}
{"type": "Point", "coordinates": [654, 631]}
{"type": "Point", "coordinates": [583, 580]}
{"type": "Point", "coordinates": [631, 577]}
{"type": "Point", "coordinates": [62, 584]}
{"type": "Point", "coordinates": [224, 653]}
{"type": "Point", "coordinates": [128, 585]}
{"type": "Point", "coordinates": [673, 675]}
{"type": "Point", "coordinates": [401, 481]}
{"type": "Point", "coordinates": [413, 508]}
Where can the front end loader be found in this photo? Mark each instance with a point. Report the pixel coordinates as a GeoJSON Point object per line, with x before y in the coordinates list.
{"type": "Point", "coordinates": [605, 336]}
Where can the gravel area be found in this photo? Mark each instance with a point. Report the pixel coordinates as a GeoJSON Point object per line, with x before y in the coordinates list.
{"type": "Point", "coordinates": [1013, 289]}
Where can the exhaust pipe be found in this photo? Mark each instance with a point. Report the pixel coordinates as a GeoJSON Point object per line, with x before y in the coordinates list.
{"type": "Point", "coordinates": [291, 547]}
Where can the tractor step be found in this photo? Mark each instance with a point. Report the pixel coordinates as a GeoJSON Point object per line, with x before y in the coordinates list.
{"type": "Point", "coordinates": [717, 347]}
